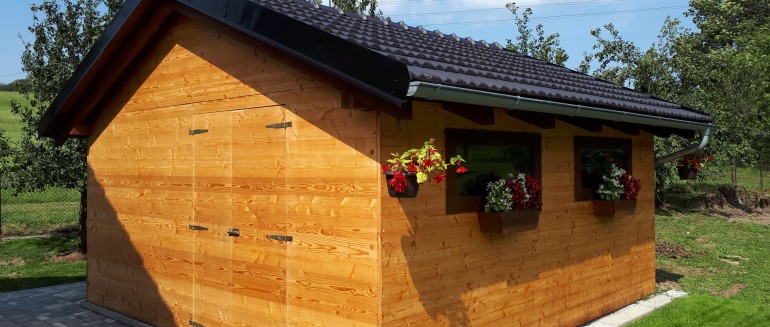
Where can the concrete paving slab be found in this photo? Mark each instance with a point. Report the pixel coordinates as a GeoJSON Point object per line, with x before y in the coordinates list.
{"type": "Point", "coordinates": [674, 294]}
{"type": "Point", "coordinates": [50, 306]}
{"type": "Point", "coordinates": [656, 301]}
{"type": "Point", "coordinates": [627, 315]}
{"type": "Point", "coordinates": [637, 310]}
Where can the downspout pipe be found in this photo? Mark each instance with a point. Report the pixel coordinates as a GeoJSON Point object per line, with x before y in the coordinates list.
{"type": "Point", "coordinates": [704, 140]}
{"type": "Point", "coordinates": [440, 92]}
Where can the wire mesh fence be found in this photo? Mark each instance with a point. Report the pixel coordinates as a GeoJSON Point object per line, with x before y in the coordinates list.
{"type": "Point", "coordinates": [47, 211]}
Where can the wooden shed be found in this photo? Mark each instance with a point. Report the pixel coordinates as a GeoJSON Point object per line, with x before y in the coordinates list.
{"type": "Point", "coordinates": [234, 172]}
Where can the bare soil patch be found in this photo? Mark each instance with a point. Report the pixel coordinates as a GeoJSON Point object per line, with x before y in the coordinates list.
{"type": "Point", "coordinates": [732, 290]}
{"type": "Point", "coordinates": [68, 257]}
{"type": "Point", "coordinates": [674, 251]}
{"type": "Point", "coordinates": [12, 262]}
{"type": "Point", "coordinates": [734, 260]}
{"type": "Point", "coordinates": [739, 204]}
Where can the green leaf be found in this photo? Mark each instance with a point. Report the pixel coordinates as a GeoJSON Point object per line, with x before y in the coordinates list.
{"type": "Point", "coordinates": [421, 177]}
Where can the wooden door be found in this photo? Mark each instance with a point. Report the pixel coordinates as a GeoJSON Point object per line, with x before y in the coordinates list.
{"type": "Point", "coordinates": [212, 203]}
{"type": "Point", "coordinates": [240, 217]}
{"type": "Point", "coordinates": [259, 211]}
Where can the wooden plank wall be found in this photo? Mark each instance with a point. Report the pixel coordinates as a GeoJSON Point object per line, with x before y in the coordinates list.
{"type": "Point", "coordinates": [440, 270]}
{"type": "Point", "coordinates": [142, 194]}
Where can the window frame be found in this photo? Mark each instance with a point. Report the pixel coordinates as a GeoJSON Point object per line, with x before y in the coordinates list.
{"type": "Point", "coordinates": [595, 142]}
{"type": "Point", "coordinates": [455, 137]}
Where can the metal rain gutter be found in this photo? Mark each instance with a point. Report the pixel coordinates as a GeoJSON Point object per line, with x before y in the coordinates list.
{"type": "Point", "coordinates": [439, 92]}
{"type": "Point", "coordinates": [681, 153]}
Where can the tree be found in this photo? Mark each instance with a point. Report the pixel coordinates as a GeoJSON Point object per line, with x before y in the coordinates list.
{"type": "Point", "coordinates": [363, 6]}
{"type": "Point", "coordinates": [537, 45]}
{"type": "Point", "coordinates": [64, 31]}
{"type": "Point", "coordinates": [617, 58]}
{"type": "Point", "coordinates": [726, 23]}
{"type": "Point", "coordinates": [722, 69]}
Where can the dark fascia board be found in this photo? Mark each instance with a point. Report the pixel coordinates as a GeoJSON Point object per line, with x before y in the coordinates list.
{"type": "Point", "coordinates": [375, 73]}
{"type": "Point", "coordinates": [45, 125]}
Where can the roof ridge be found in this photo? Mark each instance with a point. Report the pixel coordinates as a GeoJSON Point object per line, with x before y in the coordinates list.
{"type": "Point", "coordinates": [419, 28]}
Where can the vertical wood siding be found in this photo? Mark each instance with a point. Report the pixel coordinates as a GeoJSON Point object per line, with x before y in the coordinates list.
{"type": "Point", "coordinates": [148, 180]}
{"type": "Point", "coordinates": [440, 270]}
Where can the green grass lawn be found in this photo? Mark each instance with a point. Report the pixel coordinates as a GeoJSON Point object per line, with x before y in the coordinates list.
{"type": "Point", "coordinates": [712, 176]}
{"type": "Point", "coordinates": [726, 271]}
{"type": "Point", "coordinates": [27, 263]}
{"type": "Point", "coordinates": [39, 212]}
{"type": "Point", "coordinates": [9, 122]}
{"type": "Point", "coordinates": [729, 258]}
{"type": "Point", "coordinates": [706, 310]}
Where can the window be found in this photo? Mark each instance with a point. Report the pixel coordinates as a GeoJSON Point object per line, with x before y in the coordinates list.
{"type": "Point", "coordinates": [592, 155]}
{"type": "Point", "coordinates": [489, 155]}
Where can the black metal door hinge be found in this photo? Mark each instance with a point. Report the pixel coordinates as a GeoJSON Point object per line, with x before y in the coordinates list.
{"type": "Point", "coordinates": [197, 131]}
{"type": "Point", "coordinates": [196, 324]}
{"type": "Point", "coordinates": [282, 238]}
{"type": "Point", "coordinates": [279, 125]}
{"type": "Point", "coordinates": [234, 232]}
{"type": "Point", "coordinates": [196, 227]}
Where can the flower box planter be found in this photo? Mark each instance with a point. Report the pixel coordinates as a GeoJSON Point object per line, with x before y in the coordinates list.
{"type": "Point", "coordinates": [411, 186]}
{"type": "Point", "coordinates": [686, 172]}
{"type": "Point", "coordinates": [508, 222]}
{"type": "Point", "coordinates": [614, 208]}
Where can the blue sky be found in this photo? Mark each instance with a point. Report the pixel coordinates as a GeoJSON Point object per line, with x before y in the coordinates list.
{"type": "Point", "coordinates": [14, 19]}
{"type": "Point", "coordinates": [638, 21]}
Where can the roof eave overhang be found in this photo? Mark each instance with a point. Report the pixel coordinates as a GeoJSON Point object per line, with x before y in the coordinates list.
{"type": "Point", "coordinates": [439, 92]}
{"type": "Point", "coordinates": [55, 121]}
{"type": "Point", "coordinates": [373, 72]}
{"type": "Point", "coordinates": [364, 68]}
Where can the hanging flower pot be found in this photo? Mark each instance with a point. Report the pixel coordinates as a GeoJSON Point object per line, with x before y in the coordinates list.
{"type": "Point", "coordinates": [508, 222]}
{"type": "Point", "coordinates": [686, 172]}
{"type": "Point", "coordinates": [405, 172]}
{"type": "Point", "coordinates": [406, 188]}
{"type": "Point", "coordinates": [689, 165]}
{"type": "Point", "coordinates": [614, 208]}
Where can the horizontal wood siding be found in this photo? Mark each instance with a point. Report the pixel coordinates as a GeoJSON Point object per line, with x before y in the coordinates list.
{"type": "Point", "coordinates": [440, 270]}
{"type": "Point", "coordinates": [332, 187]}
{"type": "Point", "coordinates": [318, 182]}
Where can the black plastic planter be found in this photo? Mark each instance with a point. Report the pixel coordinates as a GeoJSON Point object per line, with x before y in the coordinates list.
{"type": "Point", "coordinates": [686, 173]}
{"type": "Point", "coordinates": [411, 186]}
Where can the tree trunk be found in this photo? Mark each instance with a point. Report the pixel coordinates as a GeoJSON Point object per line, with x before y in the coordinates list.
{"type": "Point", "coordinates": [83, 220]}
{"type": "Point", "coordinates": [734, 173]}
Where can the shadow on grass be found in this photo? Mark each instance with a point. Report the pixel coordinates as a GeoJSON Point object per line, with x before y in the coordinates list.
{"type": "Point", "coordinates": [37, 249]}
{"type": "Point", "coordinates": [662, 276]}
{"type": "Point", "coordinates": [16, 284]}
{"type": "Point", "coordinates": [26, 263]}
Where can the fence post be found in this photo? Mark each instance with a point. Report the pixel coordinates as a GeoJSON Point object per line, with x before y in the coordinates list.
{"type": "Point", "coordinates": [2, 175]}
{"type": "Point", "coordinates": [761, 175]}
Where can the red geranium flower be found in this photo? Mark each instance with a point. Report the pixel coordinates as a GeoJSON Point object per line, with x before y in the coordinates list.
{"type": "Point", "coordinates": [412, 168]}
{"type": "Point", "coordinates": [399, 182]}
{"type": "Point", "coordinates": [426, 162]}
